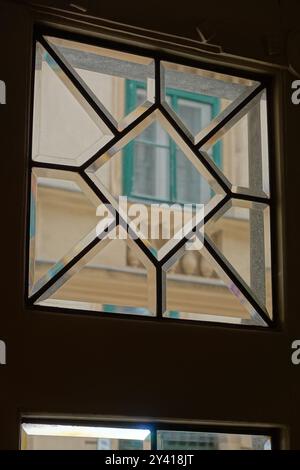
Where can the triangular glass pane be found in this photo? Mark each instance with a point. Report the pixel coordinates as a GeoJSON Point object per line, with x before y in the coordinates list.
{"type": "Point", "coordinates": [106, 281]}
{"type": "Point", "coordinates": [156, 182]}
{"type": "Point", "coordinates": [66, 129]}
{"type": "Point", "coordinates": [201, 98]}
{"type": "Point", "coordinates": [240, 149]}
{"type": "Point", "coordinates": [62, 222]}
{"type": "Point", "coordinates": [112, 76]}
{"type": "Point", "coordinates": [198, 289]}
{"type": "Point", "coordinates": [241, 233]}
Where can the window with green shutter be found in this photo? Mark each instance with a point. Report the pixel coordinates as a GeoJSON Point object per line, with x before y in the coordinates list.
{"type": "Point", "coordinates": [153, 158]}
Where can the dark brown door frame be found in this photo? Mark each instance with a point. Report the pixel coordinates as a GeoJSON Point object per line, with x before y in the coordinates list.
{"type": "Point", "coordinates": [58, 364]}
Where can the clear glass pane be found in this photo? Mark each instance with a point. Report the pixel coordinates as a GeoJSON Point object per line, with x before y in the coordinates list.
{"type": "Point", "coordinates": [83, 437]}
{"type": "Point", "coordinates": [194, 113]}
{"type": "Point", "coordinates": [153, 168]}
{"type": "Point", "coordinates": [150, 152]}
{"type": "Point", "coordinates": [241, 233]}
{"type": "Point", "coordinates": [114, 277]}
{"type": "Point", "coordinates": [62, 222]}
{"type": "Point", "coordinates": [190, 440]}
{"type": "Point", "coordinates": [109, 74]}
{"type": "Point", "coordinates": [240, 149]}
{"type": "Point", "coordinates": [190, 185]}
{"type": "Point", "coordinates": [66, 129]}
{"type": "Point", "coordinates": [216, 94]}
{"type": "Point", "coordinates": [198, 289]}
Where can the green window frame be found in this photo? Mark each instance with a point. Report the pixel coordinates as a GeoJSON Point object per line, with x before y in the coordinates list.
{"type": "Point", "coordinates": [131, 88]}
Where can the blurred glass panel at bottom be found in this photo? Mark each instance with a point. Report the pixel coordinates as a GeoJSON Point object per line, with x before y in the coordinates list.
{"type": "Point", "coordinates": [190, 440]}
{"type": "Point", "coordinates": [67, 437]}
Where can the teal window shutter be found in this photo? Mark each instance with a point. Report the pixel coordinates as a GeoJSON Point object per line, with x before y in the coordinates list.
{"type": "Point", "coordinates": [154, 168]}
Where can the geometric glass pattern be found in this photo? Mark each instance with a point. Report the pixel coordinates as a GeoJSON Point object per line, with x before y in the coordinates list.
{"type": "Point", "coordinates": [95, 151]}
{"type": "Point", "coordinates": [117, 160]}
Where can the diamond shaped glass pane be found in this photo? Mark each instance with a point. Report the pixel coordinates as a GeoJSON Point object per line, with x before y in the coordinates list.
{"type": "Point", "coordinates": [105, 280]}
{"type": "Point", "coordinates": [204, 97]}
{"type": "Point", "coordinates": [241, 233]}
{"type": "Point", "coordinates": [240, 149]}
{"type": "Point", "coordinates": [66, 129]}
{"type": "Point", "coordinates": [109, 74]}
{"type": "Point", "coordinates": [198, 289]}
{"type": "Point", "coordinates": [159, 174]}
{"type": "Point", "coordinates": [62, 222]}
